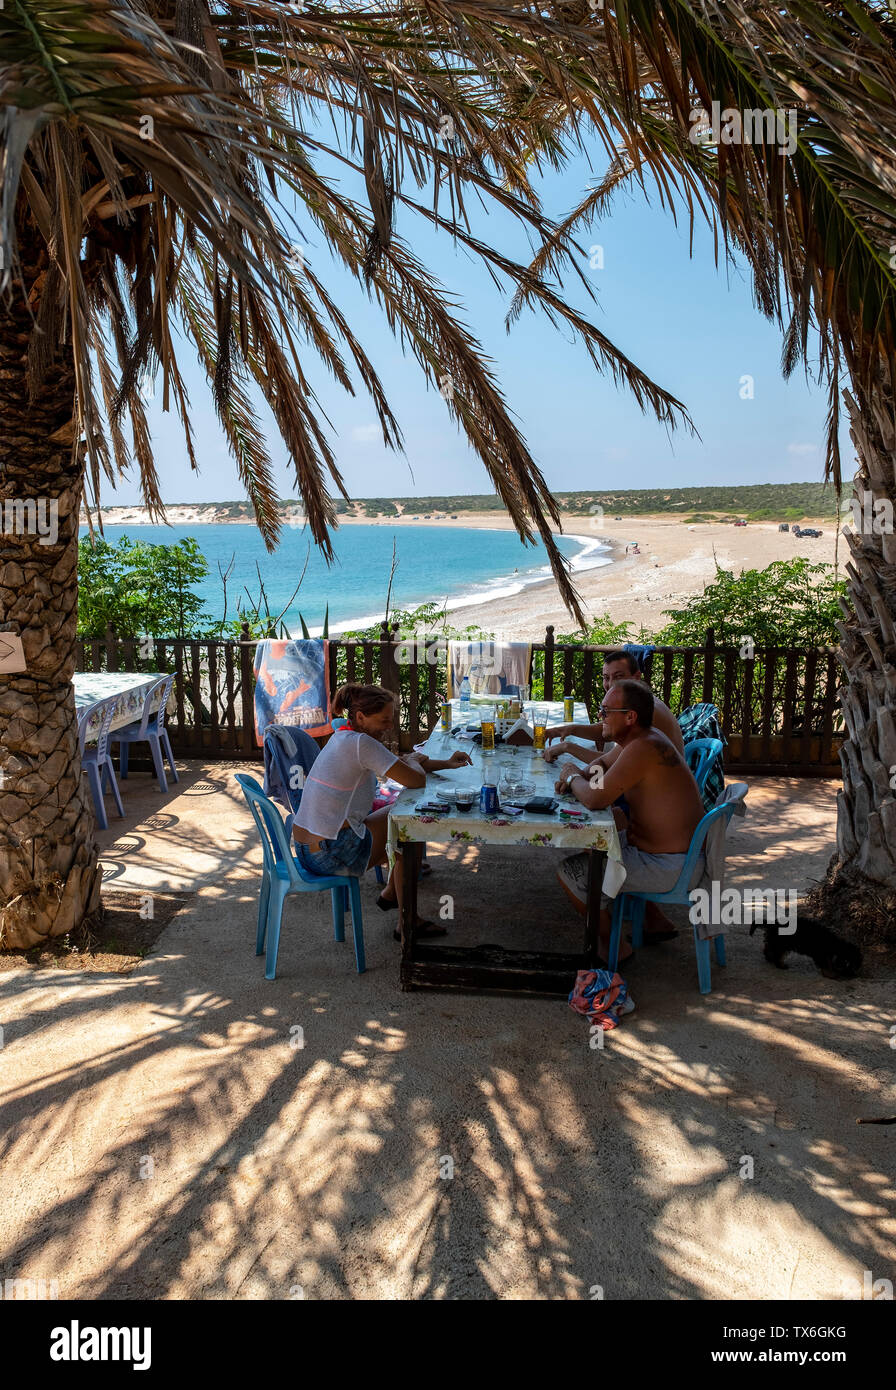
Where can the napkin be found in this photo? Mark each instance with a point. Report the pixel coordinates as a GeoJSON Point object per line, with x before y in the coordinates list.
{"type": "Point", "coordinates": [520, 732]}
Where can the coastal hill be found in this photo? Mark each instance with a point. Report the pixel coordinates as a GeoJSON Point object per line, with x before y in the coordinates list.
{"type": "Point", "coordinates": [756, 502]}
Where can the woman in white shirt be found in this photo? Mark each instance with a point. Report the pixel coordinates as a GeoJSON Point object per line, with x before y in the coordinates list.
{"type": "Point", "coordinates": [336, 829]}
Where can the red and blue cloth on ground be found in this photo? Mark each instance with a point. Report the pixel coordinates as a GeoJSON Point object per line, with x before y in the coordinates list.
{"type": "Point", "coordinates": [601, 996]}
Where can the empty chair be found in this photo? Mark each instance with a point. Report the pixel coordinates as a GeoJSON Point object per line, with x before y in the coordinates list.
{"type": "Point", "coordinates": [282, 874]}
{"type": "Point", "coordinates": [700, 755]}
{"type": "Point", "coordinates": [631, 905]}
{"type": "Point", "coordinates": [150, 729]}
{"type": "Point", "coordinates": [96, 761]}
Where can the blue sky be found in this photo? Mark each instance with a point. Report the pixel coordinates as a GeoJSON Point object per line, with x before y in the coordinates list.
{"type": "Point", "coordinates": [693, 328]}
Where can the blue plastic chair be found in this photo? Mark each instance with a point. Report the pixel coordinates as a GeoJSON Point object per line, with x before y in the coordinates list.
{"type": "Point", "coordinates": [283, 874]}
{"type": "Point", "coordinates": [96, 762]}
{"type": "Point", "coordinates": [631, 905]}
{"type": "Point", "coordinates": [150, 729]}
{"type": "Point", "coordinates": [700, 755]}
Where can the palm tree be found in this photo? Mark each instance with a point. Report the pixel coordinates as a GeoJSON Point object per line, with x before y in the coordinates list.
{"type": "Point", "coordinates": [815, 217]}
{"type": "Point", "coordinates": [161, 165]}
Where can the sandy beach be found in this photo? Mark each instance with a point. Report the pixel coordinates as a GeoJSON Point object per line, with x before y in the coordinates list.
{"type": "Point", "coordinates": [677, 559]}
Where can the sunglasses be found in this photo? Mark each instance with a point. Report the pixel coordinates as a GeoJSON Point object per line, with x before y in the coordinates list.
{"type": "Point", "coordinates": [622, 709]}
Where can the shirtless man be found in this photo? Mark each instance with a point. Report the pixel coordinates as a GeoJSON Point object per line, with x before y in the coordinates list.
{"type": "Point", "coordinates": [664, 804]}
{"type": "Point", "coordinates": [618, 666]}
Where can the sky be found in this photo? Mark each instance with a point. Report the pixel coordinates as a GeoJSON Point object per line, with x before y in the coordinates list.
{"type": "Point", "coordinates": [691, 326]}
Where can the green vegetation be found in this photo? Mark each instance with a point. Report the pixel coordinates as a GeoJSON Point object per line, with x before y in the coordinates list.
{"type": "Point", "coordinates": [754, 502]}
{"type": "Point", "coordinates": [140, 589]}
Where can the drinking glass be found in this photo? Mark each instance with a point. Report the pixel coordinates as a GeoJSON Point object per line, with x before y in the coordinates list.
{"type": "Point", "coordinates": [539, 724]}
{"type": "Point", "coordinates": [488, 731]}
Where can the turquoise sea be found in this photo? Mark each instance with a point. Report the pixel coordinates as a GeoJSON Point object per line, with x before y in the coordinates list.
{"type": "Point", "coordinates": [461, 565]}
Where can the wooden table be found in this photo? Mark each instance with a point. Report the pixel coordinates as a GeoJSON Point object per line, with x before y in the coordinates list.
{"type": "Point", "coordinates": [430, 965]}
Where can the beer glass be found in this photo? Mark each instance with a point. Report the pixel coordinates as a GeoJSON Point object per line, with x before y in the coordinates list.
{"type": "Point", "coordinates": [488, 731]}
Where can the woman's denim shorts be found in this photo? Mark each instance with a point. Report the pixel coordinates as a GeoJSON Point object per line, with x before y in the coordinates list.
{"type": "Point", "coordinates": [346, 855]}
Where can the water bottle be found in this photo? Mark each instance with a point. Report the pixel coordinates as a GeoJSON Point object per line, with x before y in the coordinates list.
{"type": "Point", "coordinates": [465, 695]}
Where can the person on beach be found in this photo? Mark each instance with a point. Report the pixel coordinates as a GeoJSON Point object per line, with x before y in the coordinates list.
{"type": "Point", "coordinates": [618, 666]}
{"type": "Point", "coordinates": [664, 806]}
{"type": "Point", "coordinates": [335, 827]}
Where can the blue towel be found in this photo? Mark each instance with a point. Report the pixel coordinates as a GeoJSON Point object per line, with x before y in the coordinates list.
{"type": "Point", "coordinates": [291, 686]}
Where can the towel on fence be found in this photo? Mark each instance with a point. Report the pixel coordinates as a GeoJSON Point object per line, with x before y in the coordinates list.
{"type": "Point", "coordinates": [494, 668]}
{"type": "Point", "coordinates": [291, 687]}
{"type": "Point", "coordinates": [602, 997]}
{"type": "Point", "coordinates": [641, 653]}
{"type": "Point", "coordinates": [704, 721]}
{"type": "Point", "coordinates": [287, 753]}
{"type": "Point", "coordinates": [714, 849]}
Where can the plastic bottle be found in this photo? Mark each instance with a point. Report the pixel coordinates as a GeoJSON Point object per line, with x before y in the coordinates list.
{"type": "Point", "coordinates": [465, 695]}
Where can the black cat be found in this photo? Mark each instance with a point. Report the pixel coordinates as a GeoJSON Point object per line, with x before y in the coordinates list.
{"type": "Point", "coordinates": [836, 959]}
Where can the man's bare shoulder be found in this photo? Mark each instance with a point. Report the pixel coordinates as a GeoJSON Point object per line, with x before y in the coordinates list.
{"type": "Point", "coordinates": [662, 749]}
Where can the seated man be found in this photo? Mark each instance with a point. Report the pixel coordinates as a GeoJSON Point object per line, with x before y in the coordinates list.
{"type": "Point", "coordinates": [618, 666]}
{"type": "Point", "coordinates": [664, 805]}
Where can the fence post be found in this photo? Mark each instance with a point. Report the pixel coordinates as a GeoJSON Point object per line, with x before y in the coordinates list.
{"type": "Point", "coordinates": [390, 677]}
{"type": "Point", "coordinates": [246, 692]}
{"type": "Point", "coordinates": [709, 665]}
{"type": "Point", "coordinates": [549, 662]}
{"type": "Point", "coordinates": [111, 648]}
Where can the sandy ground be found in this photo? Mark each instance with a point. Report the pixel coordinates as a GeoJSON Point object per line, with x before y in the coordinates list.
{"type": "Point", "coordinates": [676, 561]}
{"type": "Point", "coordinates": [164, 1138]}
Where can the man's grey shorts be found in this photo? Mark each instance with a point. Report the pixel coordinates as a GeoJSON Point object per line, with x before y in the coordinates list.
{"type": "Point", "coordinates": [644, 872]}
{"type": "Point", "coordinates": [652, 873]}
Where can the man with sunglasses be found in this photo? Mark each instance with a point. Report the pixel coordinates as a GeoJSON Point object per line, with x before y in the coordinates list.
{"type": "Point", "coordinates": [618, 666]}
{"type": "Point", "coordinates": [664, 805]}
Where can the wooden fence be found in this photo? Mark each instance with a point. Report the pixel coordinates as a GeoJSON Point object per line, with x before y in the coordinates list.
{"type": "Point", "coordinates": [779, 706]}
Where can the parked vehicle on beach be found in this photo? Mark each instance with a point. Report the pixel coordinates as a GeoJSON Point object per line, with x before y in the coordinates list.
{"type": "Point", "coordinates": [783, 526]}
{"type": "Point", "coordinates": [740, 523]}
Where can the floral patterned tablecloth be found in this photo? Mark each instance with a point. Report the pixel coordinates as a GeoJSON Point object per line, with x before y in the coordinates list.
{"type": "Point", "coordinates": [127, 688]}
{"type": "Point", "coordinates": [408, 824]}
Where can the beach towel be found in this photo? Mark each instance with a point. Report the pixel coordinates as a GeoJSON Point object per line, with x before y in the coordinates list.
{"type": "Point", "coordinates": [494, 668]}
{"type": "Point", "coordinates": [287, 753]}
{"type": "Point", "coordinates": [291, 687]}
{"type": "Point", "coordinates": [703, 721]}
{"type": "Point", "coordinates": [602, 997]}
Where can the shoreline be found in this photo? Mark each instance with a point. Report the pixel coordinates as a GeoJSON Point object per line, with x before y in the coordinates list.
{"type": "Point", "coordinates": [677, 561]}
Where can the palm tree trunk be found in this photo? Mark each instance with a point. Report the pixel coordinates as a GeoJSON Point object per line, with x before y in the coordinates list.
{"type": "Point", "coordinates": [49, 877]}
{"type": "Point", "coordinates": [866, 821]}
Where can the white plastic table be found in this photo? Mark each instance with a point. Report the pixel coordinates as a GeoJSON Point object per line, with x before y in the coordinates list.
{"type": "Point", "coordinates": [429, 965]}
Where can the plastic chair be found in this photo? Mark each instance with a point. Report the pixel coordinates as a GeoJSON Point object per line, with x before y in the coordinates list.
{"type": "Point", "coordinates": [700, 755]}
{"type": "Point", "coordinates": [96, 762]}
{"type": "Point", "coordinates": [632, 905]}
{"type": "Point", "coordinates": [283, 874]}
{"type": "Point", "coordinates": [150, 729]}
